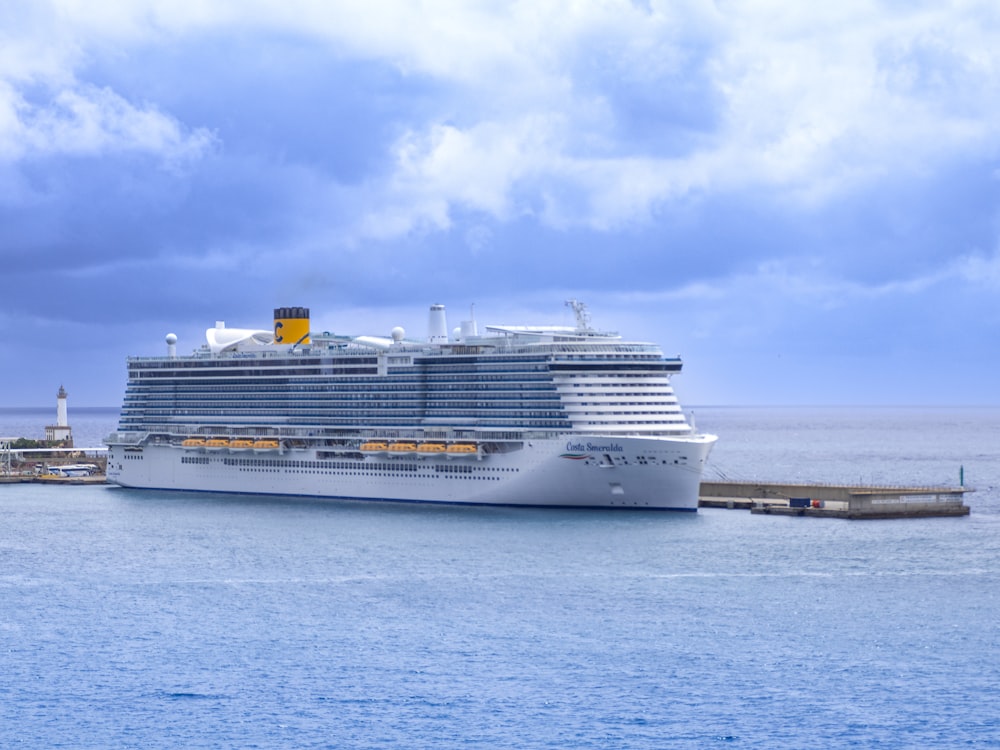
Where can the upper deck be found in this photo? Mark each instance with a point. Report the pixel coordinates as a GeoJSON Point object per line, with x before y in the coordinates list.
{"type": "Point", "coordinates": [541, 379]}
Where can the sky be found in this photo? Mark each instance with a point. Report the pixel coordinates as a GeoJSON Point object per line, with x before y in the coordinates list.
{"type": "Point", "coordinates": [800, 199]}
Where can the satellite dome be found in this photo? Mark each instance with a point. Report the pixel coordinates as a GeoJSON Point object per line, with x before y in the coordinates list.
{"type": "Point", "coordinates": [171, 338]}
{"type": "Point", "coordinates": [398, 333]}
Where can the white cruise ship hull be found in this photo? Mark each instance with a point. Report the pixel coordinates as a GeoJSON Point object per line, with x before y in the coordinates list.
{"type": "Point", "coordinates": [545, 416]}
{"type": "Point", "coordinates": [576, 471]}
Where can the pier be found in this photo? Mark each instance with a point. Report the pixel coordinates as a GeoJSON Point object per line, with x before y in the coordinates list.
{"type": "Point", "coordinates": [835, 500]}
{"type": "Point", "coordinates": [53, 479]}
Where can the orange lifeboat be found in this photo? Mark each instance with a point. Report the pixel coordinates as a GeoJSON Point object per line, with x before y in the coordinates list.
{"type": "Point", "coordinates": [402, 449]}
{"type": "Point", "coordinates": [431, 448]}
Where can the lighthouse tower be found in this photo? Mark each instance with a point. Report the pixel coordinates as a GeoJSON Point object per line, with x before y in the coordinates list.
{"type": "Point", "coordinates": [60, 432]}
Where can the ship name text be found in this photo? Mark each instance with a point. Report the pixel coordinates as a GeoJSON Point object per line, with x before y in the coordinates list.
{"type": "Point", "coordinates": [610, 448]}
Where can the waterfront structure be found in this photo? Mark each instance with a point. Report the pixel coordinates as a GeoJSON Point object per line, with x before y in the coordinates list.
{"type": "Point", "coordinates": [520, 415]}
{"type": "Point", "coordinates": [826, 500]}
{"type": "Point", "coordinates": [60, 432]}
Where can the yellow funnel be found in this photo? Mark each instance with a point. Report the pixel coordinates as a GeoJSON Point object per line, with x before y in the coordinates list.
{"type": "Point", "coordinates": [291, 325]}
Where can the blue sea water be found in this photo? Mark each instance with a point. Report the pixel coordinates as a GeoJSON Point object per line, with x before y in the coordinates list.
{"type": "Point", "coordinates": [141, 619]}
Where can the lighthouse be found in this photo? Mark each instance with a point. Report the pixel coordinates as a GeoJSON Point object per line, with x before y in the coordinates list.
{"type": "Point", "coordinates": [60, 432]}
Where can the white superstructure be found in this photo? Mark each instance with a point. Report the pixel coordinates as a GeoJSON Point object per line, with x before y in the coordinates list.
{"type": "Point", "coordinates": [521, 415]}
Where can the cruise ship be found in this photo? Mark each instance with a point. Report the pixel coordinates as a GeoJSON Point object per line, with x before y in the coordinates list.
{"type": "Point", "coordinates": [549, 416]}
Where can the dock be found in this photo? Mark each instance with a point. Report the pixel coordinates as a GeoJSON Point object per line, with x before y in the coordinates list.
{"type": "Point", "coordinates": [835, 500]}
{"type": "Point", "coordinates": [55, 479]}
{"type": "Point", "coordinates": [52, 479]}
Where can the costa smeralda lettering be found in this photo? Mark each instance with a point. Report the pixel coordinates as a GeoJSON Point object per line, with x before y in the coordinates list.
{"type": "Point", "coordinates": [610, 448]}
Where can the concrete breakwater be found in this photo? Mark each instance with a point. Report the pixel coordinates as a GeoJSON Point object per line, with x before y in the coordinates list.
{"type": "Point", "coordinates": [835, 500]}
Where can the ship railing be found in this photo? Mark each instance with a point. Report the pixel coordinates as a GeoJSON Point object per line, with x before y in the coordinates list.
{"type": "Point", "coordinates": [308, 351]}
{"type": "Point", "coordinates": [562, 348]}
{"type": "Point", "coordinates": [312, 433]}
{"type": "Point", "coordinates": [497, 346]}
{"type": "Point", "coordinates": [125, 438]}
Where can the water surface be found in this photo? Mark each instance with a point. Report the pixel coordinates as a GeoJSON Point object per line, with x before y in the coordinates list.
{"type": "Point", "coordinates": [143, 619]}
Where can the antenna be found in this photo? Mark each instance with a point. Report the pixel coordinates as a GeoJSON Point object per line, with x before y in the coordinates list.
{"type": "Point", "coordinates": [582, 316]}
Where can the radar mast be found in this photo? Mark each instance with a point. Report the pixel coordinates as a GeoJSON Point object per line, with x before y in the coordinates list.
{"type": "Point", "coordinates": [582, 316]}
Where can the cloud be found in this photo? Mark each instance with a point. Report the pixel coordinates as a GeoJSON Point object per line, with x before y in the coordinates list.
{"type": "Point", "coordinates": [518, 168]}
{"type": "Point", "coordinates": [46, 111]}
{"type": "Point", "coordinates": [980, 270]}
{"type": "Point", "coordinates": [475, 169]}
{"type": "Point", "coordinates": [91, 121]}
{"type": "Point", "coordinates": [826, 99]}
{"type": "Point", "coordinates": [812, 103]}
